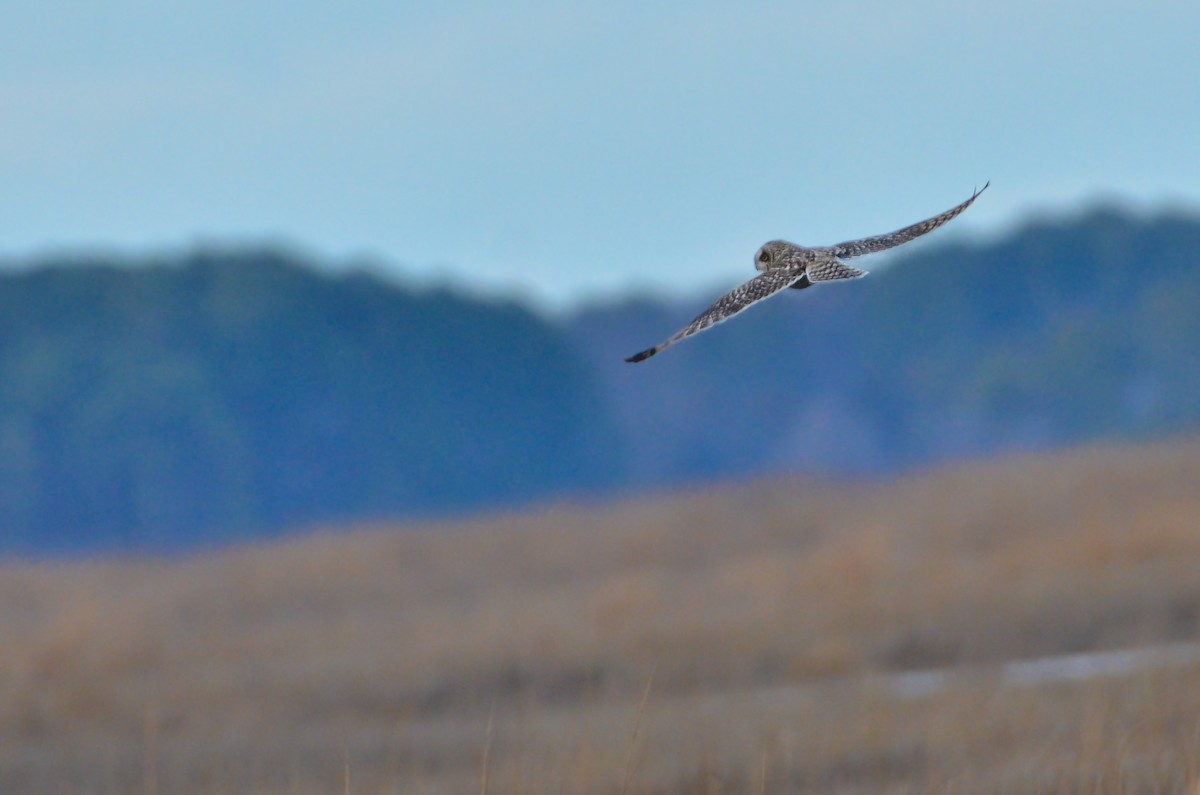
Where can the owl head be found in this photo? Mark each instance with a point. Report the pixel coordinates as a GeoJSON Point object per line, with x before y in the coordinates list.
{"type": "Point", "coordinates": [771, 255]}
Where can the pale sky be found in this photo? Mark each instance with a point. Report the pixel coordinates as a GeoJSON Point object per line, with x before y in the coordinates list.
{"type": "Point", "coordinates": [585, 149]}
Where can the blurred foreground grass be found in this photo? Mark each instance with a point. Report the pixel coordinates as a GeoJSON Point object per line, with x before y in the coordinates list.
{"type": "Point", "coordinates": [769, 617]}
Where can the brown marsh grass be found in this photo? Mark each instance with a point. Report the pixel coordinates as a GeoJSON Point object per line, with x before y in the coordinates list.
{"type": "Point", "coordinates": [374, 659]}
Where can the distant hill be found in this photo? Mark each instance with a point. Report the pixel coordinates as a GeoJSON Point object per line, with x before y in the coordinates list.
{"type": "Point", "coordinates": [220, 395]}
{"type": "Point", "coordinates": [1058, 333]}
{"type": "Point", "coordinates": [232, 395]}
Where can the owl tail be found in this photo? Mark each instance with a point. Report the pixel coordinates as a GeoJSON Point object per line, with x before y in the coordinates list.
{"type": "Point", "coordinates": [833, 271]}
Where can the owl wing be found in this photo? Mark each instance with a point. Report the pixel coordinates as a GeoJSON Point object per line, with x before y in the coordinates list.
{"type": "Point", "coordinates": [870, 245]}
{"type": "Point", "coordinates": [762, 286]}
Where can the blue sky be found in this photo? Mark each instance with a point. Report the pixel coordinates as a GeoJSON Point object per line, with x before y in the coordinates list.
{"type": "Point", "coordinates": [576, 150]}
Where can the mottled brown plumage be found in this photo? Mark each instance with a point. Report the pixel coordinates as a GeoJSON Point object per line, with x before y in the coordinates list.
{"type": "Point", "coordinates": [783, 264]}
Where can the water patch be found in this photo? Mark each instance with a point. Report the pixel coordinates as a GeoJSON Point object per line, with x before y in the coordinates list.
{"type": "Point", "coordinates": [1048, 670]}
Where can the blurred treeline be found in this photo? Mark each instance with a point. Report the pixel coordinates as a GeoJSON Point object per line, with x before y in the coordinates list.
{"type": "Point", "coordinates": [218, 395]}
{"type": "Point", "coordinates": [232, 394]}
{"type": "Point", "coordinates": [1058, 333]}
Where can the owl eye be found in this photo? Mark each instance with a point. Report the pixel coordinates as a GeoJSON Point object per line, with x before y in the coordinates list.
{"type": "Point", "coordinates": [763, 256]}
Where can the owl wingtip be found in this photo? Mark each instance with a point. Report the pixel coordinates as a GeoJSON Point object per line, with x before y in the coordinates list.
{"type": "Point", "coordinates": [642, 356]}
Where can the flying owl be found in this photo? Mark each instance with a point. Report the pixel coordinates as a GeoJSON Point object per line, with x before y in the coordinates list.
{"type": "Point", "coordinates": [782, 264]}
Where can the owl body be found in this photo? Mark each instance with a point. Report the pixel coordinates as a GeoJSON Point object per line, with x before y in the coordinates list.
{"type": "Point", "coordinates": [781, 265]}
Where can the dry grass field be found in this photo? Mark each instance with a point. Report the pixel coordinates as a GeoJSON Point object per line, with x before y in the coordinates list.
{"type": "Point", "coordinates": [741, 639]}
